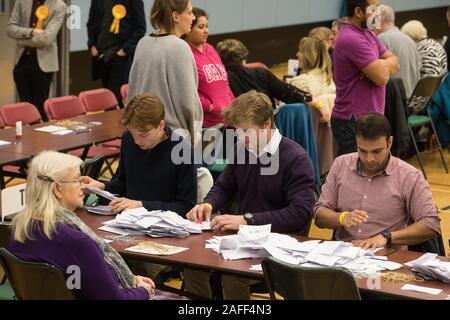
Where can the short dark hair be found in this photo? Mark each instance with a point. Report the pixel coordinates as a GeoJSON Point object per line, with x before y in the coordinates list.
{"type": "Point", "coordinates": [198, 13]}
{"type": "Point", "coordinates": [353, 4]}
{"type": "Point", "coordinates": [373, 126]}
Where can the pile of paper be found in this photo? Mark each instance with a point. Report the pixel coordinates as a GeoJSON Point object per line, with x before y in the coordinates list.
{"type": "Point", "coordinates": [259, 242]}
{"type": "Point", "coordinates": [153, 223]}
{"type": "Point", "coordinates": [431, 268]}
{"type": "Point", "coordinates": [101, 210]}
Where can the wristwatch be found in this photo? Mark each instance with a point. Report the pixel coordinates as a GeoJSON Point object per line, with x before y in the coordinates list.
{"type": "Point", "coordinates": [388, 237]}
{"type": "Point", "coordinates": [249, 218]}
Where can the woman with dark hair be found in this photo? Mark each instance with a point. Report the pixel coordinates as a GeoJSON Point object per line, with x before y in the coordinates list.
{"type": "Point", "coordinates": [165, 67]}
{"type": "Point", "coordinates": [213, 87]}
{"type": "Point", "coordinates": [234, 55]}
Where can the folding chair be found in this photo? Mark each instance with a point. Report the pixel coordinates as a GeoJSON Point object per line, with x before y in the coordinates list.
{"type": "Point", "coordinates": [12, 113]}
{"type": "Point", "coordinates": [63, 108]}
{"type": "Point", "coordinates": [34, 280]}
{"type": "Point", "coordinates": [99, 100]}
{"type": "Point", "coordinates": [71, 106]}
{"type": "Point", "coordinates": [5, 236]}
{"type": "Point", "coordinates": [425, 88]}
{"type": "Point", "coordinates": [295, 282]}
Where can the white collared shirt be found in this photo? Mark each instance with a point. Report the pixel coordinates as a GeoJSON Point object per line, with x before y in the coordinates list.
{"type": "Point", "coordinates": [273, 144]}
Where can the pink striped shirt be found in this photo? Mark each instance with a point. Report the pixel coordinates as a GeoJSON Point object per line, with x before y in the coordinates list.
{"type": "Point", "coordinates": [400, 193]}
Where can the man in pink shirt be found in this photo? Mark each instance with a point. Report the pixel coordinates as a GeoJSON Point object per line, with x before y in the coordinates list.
{"type": "Point", "coordinates": [375, 199]}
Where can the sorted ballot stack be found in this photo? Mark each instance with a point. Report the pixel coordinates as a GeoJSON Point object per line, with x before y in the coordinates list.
{"type": "Point", "coordinates": [259, 242]}
{"type": "Point", "coordinates": [430, 267]}
{"type": "Point", "coordinates": [154, 223]}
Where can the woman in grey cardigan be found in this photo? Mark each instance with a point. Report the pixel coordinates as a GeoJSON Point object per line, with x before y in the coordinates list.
{"type": "Point", "coordinates": [164, 66]}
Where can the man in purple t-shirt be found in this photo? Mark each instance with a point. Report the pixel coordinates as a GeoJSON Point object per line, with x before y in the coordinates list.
{"type": "Point", "coordinates": [362, 67]}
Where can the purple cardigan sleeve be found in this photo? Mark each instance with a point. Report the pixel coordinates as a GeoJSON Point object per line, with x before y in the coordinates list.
{"type": "Point", "coordinates": [98, 281]}
{"type": "Point", "coordinates": [299, 190]}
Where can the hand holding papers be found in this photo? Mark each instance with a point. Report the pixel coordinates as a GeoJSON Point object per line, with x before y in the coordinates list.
{"type": "Point", "coordinates": [102, 193]}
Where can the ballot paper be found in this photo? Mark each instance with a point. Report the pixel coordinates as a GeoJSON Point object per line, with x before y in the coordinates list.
{"type": "Point", "coordinates": [62, 132]}
{"type": "Point", "coordinates": [151, 247]}
{"type": "Point", "coordinates": [102, 193]}
{"type": "Point", "coordinates": [101, 210]}
{"type": "Point", "coordinates": [4, 143]}
{"type": "Point", "coordinates": [411, 287]}
{"type": "Point", "coordinates": [50, 129]}
{"type": "Point", "coordinates": [254, 234]}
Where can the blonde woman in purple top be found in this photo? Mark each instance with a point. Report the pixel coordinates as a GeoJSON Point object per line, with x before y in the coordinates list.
{"type": "Point", "coordinates": [48, 230]}
{"type": "Point", "coordinates": [371, 197]}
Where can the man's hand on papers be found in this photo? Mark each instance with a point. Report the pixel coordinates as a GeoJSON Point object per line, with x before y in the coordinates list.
{"type": "Point", "coordinates": [201, 212]}
{"type": "Point", "coordinates": [227, 222]}
{"type": "Point", "coordinates": [89, 182]}
{"type": "Point", "coordinates": [120, 204]}
{"type": "Point", "coordinates": [376, 242]}
{"type": "Point", "coordinates": [146, 283]}
{"type": "Point", "coordinates": [356, 217]}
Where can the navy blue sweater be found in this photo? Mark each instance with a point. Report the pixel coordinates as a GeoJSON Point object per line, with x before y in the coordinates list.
{"type": "Point", "coordinates": [284, 199]}
{"type": "Point", "coordinates": [151, 177]}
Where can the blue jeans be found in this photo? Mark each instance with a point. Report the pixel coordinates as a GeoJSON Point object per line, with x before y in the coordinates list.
{"type": "Point", "coordinates": [344, 131]}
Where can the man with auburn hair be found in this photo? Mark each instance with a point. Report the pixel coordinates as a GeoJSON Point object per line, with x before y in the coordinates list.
{"type": "Point", "coordinates": [362, 68]}
{"type": "Point", "coordinates": [280, 194]}
{"type": "Point", "coordinates": [147, 175]}
{"type": "Point", "coordinates": [370, 196]}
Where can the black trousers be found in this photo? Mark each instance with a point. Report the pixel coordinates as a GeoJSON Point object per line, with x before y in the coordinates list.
{"type": "Point", "coordinates": [112, 75]}
{"type": "Point", "coordinates": [344, 131]}
{"type": "Point", "coordinates": [32, 83]}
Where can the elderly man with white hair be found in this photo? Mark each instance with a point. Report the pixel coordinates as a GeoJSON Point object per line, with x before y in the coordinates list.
{"type": "Point", "coordinates": [402, 46]}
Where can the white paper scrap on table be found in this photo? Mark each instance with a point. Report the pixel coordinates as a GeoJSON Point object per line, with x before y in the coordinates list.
{"type": "Point", "coordinates": [280, 254]}
{"type": "Point", "coordinates": [114, 230]}
{"type": "Point", "coordinates": [254, 233]}
{"type": "Point", "coordinates": [50, 129]}
{"type": "Point", "coordinates": [411, 287]}
{"type": "Point", "coordinates": [62, 132]}
{"type": "Point", "coordinates": [322, 259]}
{"type": "Point", "coordinates": [4, 143]}
{"type": "Point", "coordinates": [256, 267]}
{"type": "Point", "coordinates": [327, 247]}
{"type": "Point", "coordinates": [108, 240]}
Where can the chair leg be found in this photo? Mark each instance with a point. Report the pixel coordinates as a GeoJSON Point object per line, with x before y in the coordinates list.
{"type": "Point", "coordinates": [439, 145]}
{"type": "Point", "coordinates": [417, 151]}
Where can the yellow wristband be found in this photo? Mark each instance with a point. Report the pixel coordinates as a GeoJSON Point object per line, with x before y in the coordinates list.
{"type": "Point", "coordinates": [342, 217]}
{"type": "Point", "coordinates": [319, 105]}
{"type": "Point", "coordinates": [209, 205]}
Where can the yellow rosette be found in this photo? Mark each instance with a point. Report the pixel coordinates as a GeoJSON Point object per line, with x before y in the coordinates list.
{"type": "Point", "coordinates": [41, 14]}
{"type": "Point", "coordinates": [119, 12]}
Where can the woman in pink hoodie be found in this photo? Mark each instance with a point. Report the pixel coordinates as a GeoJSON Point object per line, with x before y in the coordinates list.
{"type": "Point", "coordinates": [213, 88]}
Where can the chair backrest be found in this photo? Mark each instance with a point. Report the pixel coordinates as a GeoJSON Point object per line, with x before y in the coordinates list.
{"type": "Point", "coordinates": [295, 282]}
{"type": "Point", "coordinates": [22, 111]}
{"type": "Point", "coordinates": [2, 122]}
{"type": "Point", "coordinates": [98, 100]}
{"type": "Point", "coordinates": [295, 122]}
{"type": "Point", "coordinates": [124, 93]}
{"type": "Point", "coordinates": [64, 107]}
{"type": "Point", "coordinates": [93, 166]}
{"type": "Point", "coordinates": [34, 280]}
{"type": "Point", "coordinates": [5, 233]}
{"type": "Point", "coordinates": [425, 89]}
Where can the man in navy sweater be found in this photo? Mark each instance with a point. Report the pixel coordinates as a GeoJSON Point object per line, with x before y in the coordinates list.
{"type": "Point", "coordinates": [272, 177]}
{"type": "Point", "coordinates": [147, 177]}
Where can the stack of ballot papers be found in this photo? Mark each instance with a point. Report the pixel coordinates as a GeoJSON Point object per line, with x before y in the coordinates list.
{"type": "Point", "coordinates": [153, 223]}
{"type": "Point", "coordinates": [259, 242]}
{"type": "Point", "coordinates": [430, 267]}
{"type": "Point", "coordinates": [102, 193]}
